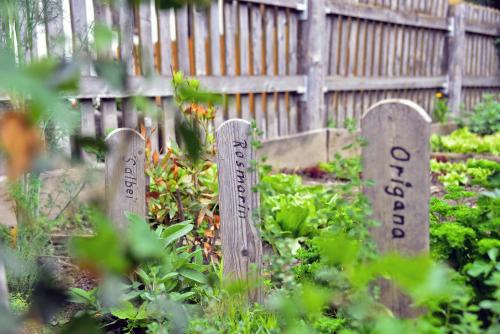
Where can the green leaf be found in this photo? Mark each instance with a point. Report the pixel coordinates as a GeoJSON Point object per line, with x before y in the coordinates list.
{"type": "Point", "coordinates": [193, 275]}
{"type": "Point", "coordinates": [337, 249]}
{"type": "Point", "coordinates": [479, 267]}
{"type": "Point", "coordinates": [175, 232]}
{"type": "Point", "coordinates": [125, 311]}
{"type": "Point", "coordinates": [81, 296]}
{"type": "Point", "coordinates": [142, 240]}
{"type": "Point", "coordinates": [180, 297]}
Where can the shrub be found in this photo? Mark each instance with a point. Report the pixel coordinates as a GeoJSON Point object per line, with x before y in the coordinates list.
{"type": "Point", "coordinates": [486, 117]}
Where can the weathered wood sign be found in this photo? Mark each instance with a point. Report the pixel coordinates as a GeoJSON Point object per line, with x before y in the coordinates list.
{"type": "Point", "coordinates": [397, 159]}
{"type": "Point", "coordinates": [241, 244]}
{"type": "Point", "coordinates": [124, 175]}
{"type": "Point", "coordinates": [4, 292]}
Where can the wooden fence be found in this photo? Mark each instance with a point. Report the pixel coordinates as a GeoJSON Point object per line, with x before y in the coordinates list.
{"type": "Point", "coordinates": [292, 65]}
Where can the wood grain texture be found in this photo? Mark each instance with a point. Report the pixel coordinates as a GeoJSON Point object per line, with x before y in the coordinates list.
{"type": "Point", "coordinates": [271, 105]}
{"type": "Point", "coordinates": [385, 15]}
{"type": "Point", "coordinates": [126, 32]}
{"type": "Point", "coordinates": [398, 163]}
{"type": "Point", "coordinates": [182, 29]}
{"type": "Point", "coordinates": [53, 11]}
{"type": "Point", "coordinates": [200, 22]}
{"type": "Point", "coordinates": [257, 40]}
{"type": "Point", "coordinates": [239, 205]}
{"type": "Point", "coordinates": [81, 30]}
{"type": "Point", "coordinates": [336, 83]}
{"type": "Point", "coordinates": [161, 86]}
{"type": "Point", "coordinates": [312, 62]}
{"type": "Point", "coordinates": [456, 46]}
{"type": "Point", "coordinates": [166, 66]}
{"type": "Point", "coordinates": [125, 180]}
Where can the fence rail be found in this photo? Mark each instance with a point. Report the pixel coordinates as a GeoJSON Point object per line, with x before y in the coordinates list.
{"type": "Point", "coordinates": [293, 65]}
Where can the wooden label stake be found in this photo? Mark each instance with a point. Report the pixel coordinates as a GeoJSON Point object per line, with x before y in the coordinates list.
{"type": "Point", "coordinates": [397, 159]}
{"type": "Point", "coordinates": [124, 175]}
{"type": "Point", "coordinates": [4, 292]}
{"type": "Point", "coordinates": [241, 244]}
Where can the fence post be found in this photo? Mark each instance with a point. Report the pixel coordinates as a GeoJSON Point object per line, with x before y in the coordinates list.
{"type": "Point", "coordinates": [455, 56]}
{"type": "Point", "coordinates": [125, 179]}
{"type": "Point", "coordinates": [398, 163]}
{"type": "Point", "coordinates": [239, 204]}
{"type": "Point", "coordinates": [311, 44]}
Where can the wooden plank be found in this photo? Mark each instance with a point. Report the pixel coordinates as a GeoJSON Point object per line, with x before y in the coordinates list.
{"type": "Point", "coordinates": [343, 46]}
{"type": "Point", "coordinates": [369, 49]}
{"type": "Point", "coordinates": [486, 29]}
{"type": "Point", "coordinates": [353, 44]}
{"type": "Point", "coordinates": [126, 30]}
{"type": "Point", "coordinates": [312, 63]}
{"type": "Point", "coordinates": [54, 29]}
{"type": "Point", "coordinates": [230, 29]}
{"type": "Point", "coordinates": [361, 51]}
{"type": "Point", "coordinates": [287, 152]}
{"type": "Point", "coordinates": [475, 81]}
{"type": "Point", "coordinates": [200, 22]}
{"type": "Point", "coordinates": [94, 87]}
{"type": "Point", "coordinates": [396, 63]}
{"type": "Point", "coordinates": [412, 51]}
{"type": "Point", "coordinates": [244, 47]}
{"type": "Point", "coordinates": [216, 34]}
{"type": "Point", "coordinates": [389, 51]}
{"type": "Point", "coordinates": [258, 63]}
{"type": "Point", "coordinates": [109, 118]}
{"type": "Point", "coordinates": [385, 31]}
{"type": "Point", "coordinates": [398, 163]}
{"type": "Point", "coordinates": [385, 15]}
{"type": "Point", "coordinates": [293, 27]}
{"type": "Point", "coordinates": [281, 23]}
{"type": "Point", "coordinates": [406, 53]}
{"type": "Point", "coordinates": [146, 38]}
{"type": "Point", "coordinates": [87, 124]}
{"type": "Point", "coordinates": [109, 115]}
{"type": "Point", "coordinates": [455, 58]}
{"type": "Point", "coordinates": [102, 15]}
{"type": "Point", "coordinates": [271, 108]}
{"type": "Point", "coordinates": [80, 29]}
{"type": "Point", "coordinates": [378, 44]}
{"type": "Point", "coordinates": [425, 63]}
{"type": "Point", "coordinates": [4, 291]}
{"type": "Point", "coordinates": [164, 38]}
{"type": "Point", "coordinates": [335, 46]}
{"type": "Point", "coordinates": [241, 244]}
{"type": "Point", "coordinates": [341, 113]}
{"type": "Point", "coordinates": [182, 29]}
{"type": "Point", "coordinates": [295, 4]}
{"type": "Point", "coordinates": [125, 180]}
{"type": "Point", "coordinates": [166, 67]}
{"type": "Point", "coordinates": [335, 83]}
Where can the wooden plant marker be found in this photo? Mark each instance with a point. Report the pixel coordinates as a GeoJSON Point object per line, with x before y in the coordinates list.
{"type": "Point", "coordinates": [4, 292]}
{"type": "Point", "coordinates": [397, 159]}
{"type": "Point", "coordinates": [241, 244]}
{"type": "Point", "coordinates": [124, 175]}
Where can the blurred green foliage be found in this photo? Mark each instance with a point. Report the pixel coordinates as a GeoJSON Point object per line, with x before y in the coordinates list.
{"type": "Point", "coordinates": [485, 173]}
{"type": "Point", "coordinates": [464, 141]}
